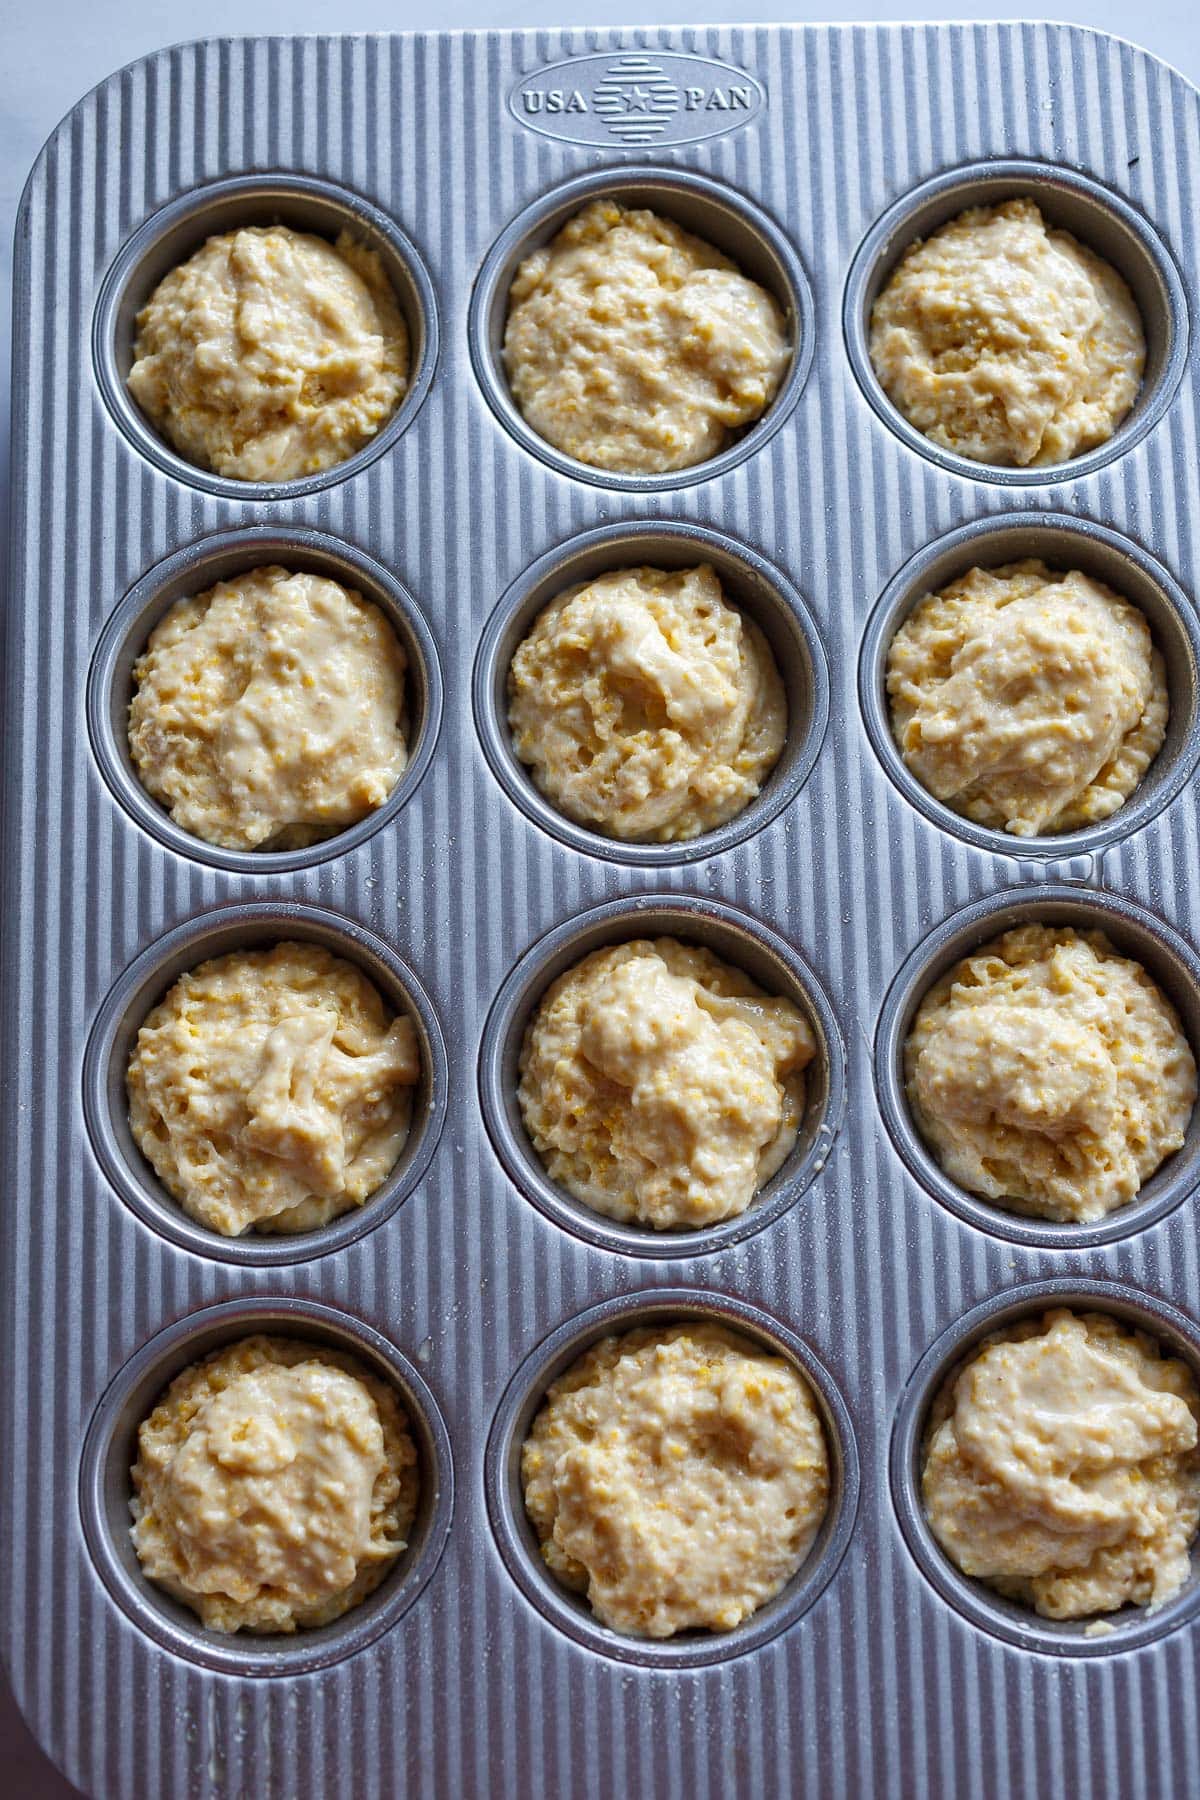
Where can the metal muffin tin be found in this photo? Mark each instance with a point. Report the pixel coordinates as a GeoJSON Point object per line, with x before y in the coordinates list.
{"type": "Point", "coordinates": [468, 1279]}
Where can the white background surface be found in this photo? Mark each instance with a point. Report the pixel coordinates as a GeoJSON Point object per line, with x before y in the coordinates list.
{"type": "Point", "coordinates": [55, 50]}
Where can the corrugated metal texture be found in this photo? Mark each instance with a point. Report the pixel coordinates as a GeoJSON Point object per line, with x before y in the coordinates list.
{"type": "Point", "coordinates": [880, 1689]}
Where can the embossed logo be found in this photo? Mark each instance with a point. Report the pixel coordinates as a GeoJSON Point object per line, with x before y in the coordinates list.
{"type": "Point", "coordinates": [636, 98]}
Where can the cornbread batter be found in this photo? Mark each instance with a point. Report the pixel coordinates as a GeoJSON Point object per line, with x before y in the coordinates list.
{"type": "Point", "coordinates": [271, 1089]}
{"type": "Point", "coordinates": [1029, 700]}
{"type": "Point", "coordinates": [1061, 1466]}
{"type": "Point", "coordinates": [1049, 1074]}
{"type": "Point", "coordinates": [275, 1485]}
{"type": "Point", "coordinates": [1006, 341]}
{"type": "Point", "coordinates": [636, 347]}
{"type": "Point", "coordinates": [662, 1086]}
{"type": "Point", "coordinates": [268, 712]}
{"type": "Point", "coordinates": [677, 1477]}
{"type": "Point", "coordinates": [646, 705]}
{"type": "Point", "coordinates": [271, 354]}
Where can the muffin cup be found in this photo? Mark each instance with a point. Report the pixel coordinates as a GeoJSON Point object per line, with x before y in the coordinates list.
{"type": "Point", "coordinates": [517, 1540]}
{"type": "Point", "coordinates": [709, 210]}
{"type": "Point", "coordinates": [750, 583]}
{"type": "Point", "coordinates": [975, 1600]}
{"type": "Point", "coordinates": [110, 1450]}
{"type": "Point", "coordinates": [143, 985]}
{"type": "Point", "coordinates": [220, 557]}
{"type": "Point", "coordinates": [176, 231]}
{"type": "Point", "coordinates": [1063, 541]}
{"type": "Point", "coordinates": [1102, 221]}
{"type": "Point", "coordinates": [1133, 932]}
{"type": "Point", "coordinates": [737, 939]}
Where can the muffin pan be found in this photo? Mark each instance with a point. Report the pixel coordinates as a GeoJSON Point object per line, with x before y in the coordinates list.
{"type": "Point", "coordinates": [469, 1280]}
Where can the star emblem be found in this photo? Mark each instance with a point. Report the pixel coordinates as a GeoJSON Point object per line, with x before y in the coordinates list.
{"type": "Point", "coordinates": [636, 100]}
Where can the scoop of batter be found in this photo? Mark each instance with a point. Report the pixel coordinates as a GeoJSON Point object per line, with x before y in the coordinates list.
{"type": "Point", "coordinates": [636, 347]}
{"type": "Point", "coordinates": [268, 712]}
{"type": "Point", "coordinates": [1006, 341]}
{"type": "Point", "coordinates": [678, 1477]}
{"type": "Point", "coordinates": [646, 705]}
{"type": "Point", "coordinates": [1061, 1466]}
{"type": "Point", "coordinates": [274, 1486]}
{"type": "Point", "coordinates": [271, 1089]}
{"type": "Point", "coordinates": [271, 354]}
{"type": "Point", "coordinates": [660, 1085]}
{"type": "Point", "coordinates": [1049, 1074]}
{"type": "Point", "coordinates": [1029, 700]}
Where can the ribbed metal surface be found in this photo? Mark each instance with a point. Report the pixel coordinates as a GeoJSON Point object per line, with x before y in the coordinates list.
{"type": "Point", "coordinates": [880, 1688]}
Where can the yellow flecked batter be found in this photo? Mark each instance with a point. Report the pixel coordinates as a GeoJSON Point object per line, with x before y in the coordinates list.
{"type": "Point", "coordinates": [1006, 341]}
{"type": "Point", "coordinates": [678, 1477]}
{"type": "Point", "coordinates": [1049, 1074]}
{"type": "Point", "coordinates": [268, 712]}
{"type": "Point", "coordinates": [1029, 700]}
{"type": "Point", "coordinates": [661, 1086]}
{"type": "Point", "coordinates": [636, 347]}
{"type": "Point", "coordinates": [271, 354]}
{"type": "Point", "coordinates": [647, 706]}
{"type": "Point", "coordinates": [1061, 1466]}
{"type": "Point", "coordinates": [275, 1485]}
{"type": "Point", "coordinates": [272, 1089]}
